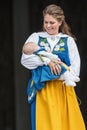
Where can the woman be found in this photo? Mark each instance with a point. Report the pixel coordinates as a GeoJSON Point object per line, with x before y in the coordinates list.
{"type": "Point", "coordinates": [55, 106]}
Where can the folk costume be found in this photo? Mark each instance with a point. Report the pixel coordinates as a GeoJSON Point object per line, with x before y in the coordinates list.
{"type": "Point", "coordinates": [55, 105]}
{"type": "Point", "coordinates": [41, 74]}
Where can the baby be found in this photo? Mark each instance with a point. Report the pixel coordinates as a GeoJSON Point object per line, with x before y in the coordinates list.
{"type": "Point", "coordinates": [43, 73]}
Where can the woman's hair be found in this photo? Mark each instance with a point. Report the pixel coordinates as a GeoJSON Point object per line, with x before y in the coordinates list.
{"type": "Point", "coordinates": [58, 13]}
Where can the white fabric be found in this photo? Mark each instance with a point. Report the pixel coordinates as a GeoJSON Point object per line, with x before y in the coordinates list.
{"type": "Point", "coordinates": [33, 61]}
{"type": "Point", "coordinates": [48, 54]}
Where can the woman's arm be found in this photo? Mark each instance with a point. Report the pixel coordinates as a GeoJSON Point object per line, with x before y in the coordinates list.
{"type": "Point", "coordinates": [32, 61]}
{"type": "Point", "coordinates": [28, 49]}
{"type": "Point", "coordinates": [74, 56]}
{"type": "Point", "coordinates": [29, 60]}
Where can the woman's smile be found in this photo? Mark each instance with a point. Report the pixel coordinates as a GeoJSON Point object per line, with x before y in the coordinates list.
{"type": "Point", "coordinates": [51, 25]}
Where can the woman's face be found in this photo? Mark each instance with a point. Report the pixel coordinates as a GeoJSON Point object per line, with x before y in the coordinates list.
{"type": "Point", "coordinates": [51, 25]}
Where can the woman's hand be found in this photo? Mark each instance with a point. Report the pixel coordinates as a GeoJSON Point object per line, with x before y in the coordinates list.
{"type": "Point", "coordinates": [55, 67]}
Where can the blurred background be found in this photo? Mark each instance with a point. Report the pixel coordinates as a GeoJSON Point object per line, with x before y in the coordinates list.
{"type": "Point", "coordinates": [18, 19]}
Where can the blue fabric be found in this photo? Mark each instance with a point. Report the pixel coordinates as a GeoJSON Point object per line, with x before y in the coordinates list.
{"type": "Point", "coordinates": [39, 76]}
{"type": "Point", "coordinates": [41, 49]}
{"type": "Point", "coordinates": [33, 115]}
{"type": "Point", "coordinates": [42, 74]}
{"type": "Point", "coordinates": [60, 49]}
{"type": "Point", "coordinates": [63, 50]}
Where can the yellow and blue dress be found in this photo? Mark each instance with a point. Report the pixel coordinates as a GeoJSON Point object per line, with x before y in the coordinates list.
{"type": "Point", "coordinates": [55, 106]}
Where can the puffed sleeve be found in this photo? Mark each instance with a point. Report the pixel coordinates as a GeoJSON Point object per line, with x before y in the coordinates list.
{"type": "Point", "coordinates": [75, 62]}
{"type": "Point", "coordinates": [74, 56]}
{"type": "Point", "coordinates": [32, 61]}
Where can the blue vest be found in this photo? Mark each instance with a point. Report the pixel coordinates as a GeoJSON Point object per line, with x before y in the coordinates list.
{"type": "Point", "coordinates": [60, 49]}
{"type": "Point", "coordinates": [42, 74]}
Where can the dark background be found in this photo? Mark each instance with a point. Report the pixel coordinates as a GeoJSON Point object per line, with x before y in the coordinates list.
{"type": "Point", "coordinates": [18, 19]}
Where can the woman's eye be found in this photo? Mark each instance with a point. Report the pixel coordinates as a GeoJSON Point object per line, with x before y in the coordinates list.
{"type": "Point", "coordinates": [46, 22]}
{"type": "Point", "coordinates": [51, 22]}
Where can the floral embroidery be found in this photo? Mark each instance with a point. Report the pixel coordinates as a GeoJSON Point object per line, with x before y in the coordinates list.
{"type": "Point", "coordinates": [60, 46]}
{"type": "Point", "coordinates": [44, 42]}
{"type": "Point", "coordinates": [61, 41]}
{"type": "Point", "coordinates": [62, 49]}
{"type": "Point", "coordinates": [44, 39]}
{"type": "Point", "coordinates": [57, 47]}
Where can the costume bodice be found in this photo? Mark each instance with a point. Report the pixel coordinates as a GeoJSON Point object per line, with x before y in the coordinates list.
{"type": "Point", "coordinates": [60, 48]}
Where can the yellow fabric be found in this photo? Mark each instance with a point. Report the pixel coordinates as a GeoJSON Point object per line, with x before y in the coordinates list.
{"type": "Point", "coordinates": [57, 108]}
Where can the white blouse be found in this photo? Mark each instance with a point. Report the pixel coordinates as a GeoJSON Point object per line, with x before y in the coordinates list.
{"type": "Point", "coordinates": [33, 61]}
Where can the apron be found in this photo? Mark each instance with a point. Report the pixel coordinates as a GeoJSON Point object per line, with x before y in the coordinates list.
{"type": "Point", "coordinates": [55, 106]}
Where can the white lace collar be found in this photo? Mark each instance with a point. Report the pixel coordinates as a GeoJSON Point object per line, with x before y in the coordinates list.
{"type": "Point", "coordinates": [46, 35]}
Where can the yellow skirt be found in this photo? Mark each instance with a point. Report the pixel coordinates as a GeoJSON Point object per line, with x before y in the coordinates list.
{"type": "Point", "coordinates": [57, 108]}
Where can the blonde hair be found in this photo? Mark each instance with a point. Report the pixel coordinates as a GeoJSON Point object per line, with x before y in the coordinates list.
{"type": "Point", "coordinates": [58, 13]}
